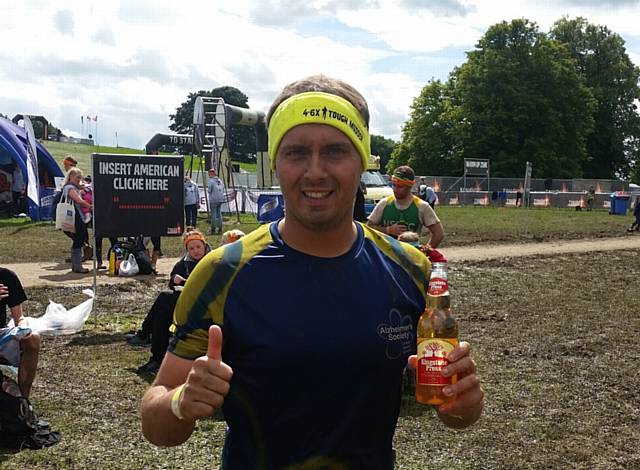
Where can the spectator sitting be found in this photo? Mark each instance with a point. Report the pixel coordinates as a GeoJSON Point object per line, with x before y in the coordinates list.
{"type": "Point", "coordinates": [23, 353]}
{"type": "Point", "coordinates": [155, 327]}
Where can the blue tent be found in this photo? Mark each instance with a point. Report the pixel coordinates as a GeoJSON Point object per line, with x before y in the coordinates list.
{"type": "Point", "coordinates": [13, 149]}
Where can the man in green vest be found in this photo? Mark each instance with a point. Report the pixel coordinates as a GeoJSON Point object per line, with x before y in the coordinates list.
{"type": "Point", "coordinates": [404, 211]}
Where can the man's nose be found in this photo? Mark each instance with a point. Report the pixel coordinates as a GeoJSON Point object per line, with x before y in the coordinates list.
{"type": "Point", "coordinates": [316, 165]}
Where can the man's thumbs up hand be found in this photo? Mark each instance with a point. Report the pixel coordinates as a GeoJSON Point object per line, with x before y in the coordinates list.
{"type": "Point", "coordinates": [208, 381]}
{"type": "Point", "coordinates": [214, 350]}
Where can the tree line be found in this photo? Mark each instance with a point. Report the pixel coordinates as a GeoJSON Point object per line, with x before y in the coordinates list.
{"type": "Point", "coordinates": [565, 100]}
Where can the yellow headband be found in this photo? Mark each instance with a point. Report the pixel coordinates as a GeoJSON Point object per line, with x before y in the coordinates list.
{"type": "Point", "coordinates": [315, 107]}
{"type": "Point", "coordinates": [401, 182]}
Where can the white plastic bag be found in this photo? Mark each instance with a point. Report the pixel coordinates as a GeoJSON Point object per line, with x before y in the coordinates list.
{"type": "Point", "coordinates": [129, 267]}
{"type": "Point", "coordinates": [57, 320]}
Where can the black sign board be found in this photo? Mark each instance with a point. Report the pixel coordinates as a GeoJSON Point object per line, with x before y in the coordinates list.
{"type": "Point", "coordinates": [138, 195]}
{"type": "Point", "coordinates": [476, 166]}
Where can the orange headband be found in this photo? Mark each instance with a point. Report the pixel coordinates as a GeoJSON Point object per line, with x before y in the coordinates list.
{"type": "Point", "coordinates": [194, 236]}
{"type": "Point", "coordinates": [400, 182]}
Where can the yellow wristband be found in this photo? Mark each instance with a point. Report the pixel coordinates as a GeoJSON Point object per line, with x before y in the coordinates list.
{"type": "Point", "coordinates": [176, 398]}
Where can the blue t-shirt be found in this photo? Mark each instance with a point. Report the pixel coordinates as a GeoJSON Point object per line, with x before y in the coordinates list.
{"type": "Point", "coordinates": [317, 346]}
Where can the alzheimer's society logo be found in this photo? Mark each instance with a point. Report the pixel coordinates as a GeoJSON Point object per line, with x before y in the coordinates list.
{"type": "Point", "coordinates": [398, 334]}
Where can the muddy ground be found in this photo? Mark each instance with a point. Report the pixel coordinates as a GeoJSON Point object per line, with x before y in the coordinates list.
{"type": "Point", "coordinates": [554, 337]}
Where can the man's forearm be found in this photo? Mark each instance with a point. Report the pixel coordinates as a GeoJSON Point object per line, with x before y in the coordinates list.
{"type": "Point", "coordinates": [159, 425]}
{"type": "Point", "coordinates": [437, 235]}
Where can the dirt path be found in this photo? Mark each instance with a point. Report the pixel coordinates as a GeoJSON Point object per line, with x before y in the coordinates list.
{"type": "Point", "coordinates": [37, 274]}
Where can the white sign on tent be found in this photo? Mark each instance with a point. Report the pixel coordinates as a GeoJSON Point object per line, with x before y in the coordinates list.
{"type": "Point", "coordinates": [32, 162]}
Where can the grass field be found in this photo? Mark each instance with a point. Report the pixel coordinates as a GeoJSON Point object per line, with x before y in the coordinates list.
{"type": "Point", "coordinates": [463, 226]}
{"type": "Point", "coordinates": [82, 153]}
{"type": "Point", "coordinates": [553, 337]}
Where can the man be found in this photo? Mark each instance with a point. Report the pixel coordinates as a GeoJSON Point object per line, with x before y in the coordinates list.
{"type": "Point", "coordinates": [426, 193]}
{"type": "Point", "coordinates": [191, 202]}
{"type": "Point", "coordinates": [405, 212]}
{"type": "Point", "coordinates": [422, 189]}
{"type": "Point", "coordinates": [216, 193]}
{"type": "Point", "coordinates": [310, 378]}
{"type": "Point", "coordinates": [23, 353]}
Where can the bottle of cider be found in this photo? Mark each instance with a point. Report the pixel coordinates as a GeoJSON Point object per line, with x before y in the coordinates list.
{"type": "Point", "coordinates": [437, 337]}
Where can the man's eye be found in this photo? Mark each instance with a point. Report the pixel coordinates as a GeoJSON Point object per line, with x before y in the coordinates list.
{"type": "Point", "coordinates": [294, 153]}
{"type": "Point", "coordinates": [336, 151]}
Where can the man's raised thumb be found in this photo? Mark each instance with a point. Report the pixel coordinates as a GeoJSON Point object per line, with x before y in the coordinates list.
{"type": "Point", "coordinates": [214, 349]}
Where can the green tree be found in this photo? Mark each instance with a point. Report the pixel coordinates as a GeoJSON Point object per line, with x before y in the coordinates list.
{"type": "Point", "coordinates": [382, 147]}
{"type": "Point", "coordinates": [524, 100]}
{"type": "Point", "coordinates": [432, 136]}
{"type": "Point", "coordinates": [601, 58]}
{"type": "Point", "coordinates": [242, 146]}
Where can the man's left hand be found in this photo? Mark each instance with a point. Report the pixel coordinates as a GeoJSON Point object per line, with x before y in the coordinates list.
{"type": "Point", "coordinates": [466, 407]}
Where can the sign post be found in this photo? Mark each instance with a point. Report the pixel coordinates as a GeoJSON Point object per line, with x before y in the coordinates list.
{"type": "Point", "coordinates": [476, 166]}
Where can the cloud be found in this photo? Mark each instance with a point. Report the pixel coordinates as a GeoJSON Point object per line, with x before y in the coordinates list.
{"type": "Point", "coordinates": [275, 13]}
{"type": "Point", "coordinates": [439, 7]}
{"type": "Point", "coordinates": [104, 36]}
{"type": "Point", "coordinates": [605, 4]}
{"type": "Point", "coordinates": [145, 12]}
{"type": "Point", "coordinates": [63, 21]}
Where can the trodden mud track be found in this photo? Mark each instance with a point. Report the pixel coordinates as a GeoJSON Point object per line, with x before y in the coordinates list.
{"type": "Point", "coordinates": [54, 273]}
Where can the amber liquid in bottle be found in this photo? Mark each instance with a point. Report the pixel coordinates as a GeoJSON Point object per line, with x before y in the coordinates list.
{"type": "Point", "coordinates": [437, 337]}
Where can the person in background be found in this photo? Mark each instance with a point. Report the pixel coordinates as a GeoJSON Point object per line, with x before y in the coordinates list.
{"type": "Point", "coordinates": [310, 379]}
{"type": "Point", "coordinates": [216, 194]}
{"type": "Point", "coordinates": [23, 353]}
{"type": "Point", "coordinates": [636, 213]}
{"type": "Point", "coordinates": [18, 189]}
{"type": "Point", "coordinates": [69, 162]}
{"type": "Point", "coordinates": [422, 189]}
{"type": "Point", "coordinates": [71, 190]}
{"type": "Point", "coordinates": [191, 202]}
{"type": "Point", "coordinates": [403, 211]}
{"type": "Point", "coordinates": [87, 195]}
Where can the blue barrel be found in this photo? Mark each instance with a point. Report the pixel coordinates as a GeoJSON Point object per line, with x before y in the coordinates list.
{"type": "Point", "coordinates": [619, 203]}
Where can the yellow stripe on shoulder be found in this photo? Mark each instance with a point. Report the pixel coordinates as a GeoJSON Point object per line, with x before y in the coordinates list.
{"type": "Point", "coordinates": [206, 290]}
{"type": "Point", "coordinates": [408, 257]}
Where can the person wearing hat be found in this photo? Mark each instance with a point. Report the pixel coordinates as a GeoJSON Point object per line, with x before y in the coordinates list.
{"type": "Point", "coordinates": [300, 331]}
{"type": "Point", "coordinates": [69, 162]}
{"type": "Point", "coordinates": [216, 193]}
{"type": "Point", "coordinates": [403, 211]}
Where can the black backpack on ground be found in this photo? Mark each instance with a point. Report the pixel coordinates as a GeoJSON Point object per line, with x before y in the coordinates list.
{"type": "Point", "coordinates": [135, 246]}
{"type": "Point", "coordinates": [20, 428]}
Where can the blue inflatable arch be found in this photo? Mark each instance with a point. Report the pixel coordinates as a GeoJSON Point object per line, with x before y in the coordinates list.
{"type": "Point", "coordinates": [13, 149]}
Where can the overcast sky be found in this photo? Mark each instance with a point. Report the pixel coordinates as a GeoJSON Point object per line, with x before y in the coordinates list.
{"type": "Point", "coordinates": [132, 62]}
